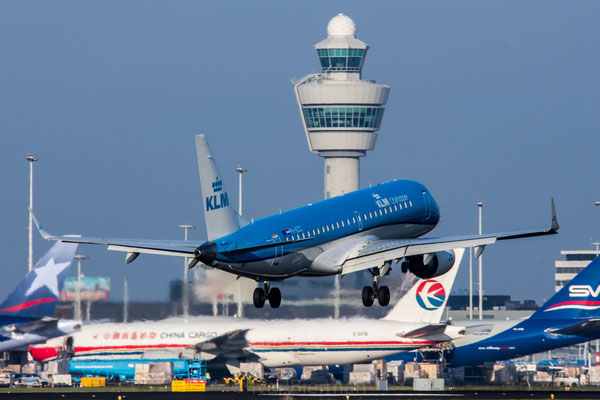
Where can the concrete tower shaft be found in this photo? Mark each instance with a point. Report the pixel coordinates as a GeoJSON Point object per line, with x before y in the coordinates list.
{"type": "Point", "coordinates": [341, 112]}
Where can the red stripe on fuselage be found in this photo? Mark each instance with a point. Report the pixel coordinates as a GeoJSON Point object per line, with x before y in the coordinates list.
{"type": "Point", "coordinates": [45, 353]}
{"type": "Point", "coordinates": [29, 304]}
{"type": "Point", "coordinates": [341, 343]}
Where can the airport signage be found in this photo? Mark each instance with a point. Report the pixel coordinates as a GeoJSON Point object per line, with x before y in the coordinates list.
{"type": "Point", "coordinates": [91, 288]}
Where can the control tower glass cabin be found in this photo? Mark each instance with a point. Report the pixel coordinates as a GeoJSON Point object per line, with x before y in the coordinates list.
{"type": "Point", "coordinates": [341, 113]}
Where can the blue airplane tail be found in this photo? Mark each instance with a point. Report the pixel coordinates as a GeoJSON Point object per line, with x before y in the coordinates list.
{"type": "Point", "coordinates": [578, 299]}
{"type": "Point", "coordinates": [38, 293]}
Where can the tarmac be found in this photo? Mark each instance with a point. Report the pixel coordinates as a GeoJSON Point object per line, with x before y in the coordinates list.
{"type": "Point", "coordinates": [559, 393]}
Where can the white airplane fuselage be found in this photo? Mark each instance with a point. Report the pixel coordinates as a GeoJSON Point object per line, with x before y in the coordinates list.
{"type": "Point", "coordinates": [278, 343]}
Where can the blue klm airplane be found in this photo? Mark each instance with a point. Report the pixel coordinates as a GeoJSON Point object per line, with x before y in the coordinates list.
{"type": "Point", "coordinates": [570, 317]}
{"type": "Point", "coordinates": [26, 314]}
{"type": "Point", "coordinates": [364, 230]}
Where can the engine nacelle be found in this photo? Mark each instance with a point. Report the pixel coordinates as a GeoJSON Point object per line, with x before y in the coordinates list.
{"type": "Point", "coordinates": [429, 265]}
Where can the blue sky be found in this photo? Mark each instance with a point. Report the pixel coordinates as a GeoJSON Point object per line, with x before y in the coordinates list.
{"type": "Point", "coordinates": [490, 100]}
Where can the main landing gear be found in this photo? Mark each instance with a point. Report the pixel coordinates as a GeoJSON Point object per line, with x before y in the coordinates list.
{"type": "Point", "coordinates": [261, 295]}
{"type": "Point", "coordinates": [381, 293]}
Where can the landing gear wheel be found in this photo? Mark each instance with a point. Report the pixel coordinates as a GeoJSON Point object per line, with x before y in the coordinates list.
{"type": "Point", "coordinates": [367, 296]}
{"type": "Point", "coordinates": [259, 298]}
{"type": "Point", "coordinates": [383, 296]}
{"type": "Point", "coordinates": [404, 267]}
{"type": "Point", "coordinates": [274, 297]}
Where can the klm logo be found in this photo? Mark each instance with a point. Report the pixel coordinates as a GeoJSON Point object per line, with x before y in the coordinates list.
{"type": "Point", "coordinates": [219, 199]}
{"type": "Point", "coordinates": [379, 201]}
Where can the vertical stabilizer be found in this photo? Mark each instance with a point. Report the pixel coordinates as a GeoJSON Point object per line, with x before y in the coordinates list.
{"type": "Point", "coordinates": [427, 298]}
{"type": "Point", "coordinates": [220, 218]}
{"type": "Point", "coordinates": [38, 293]}
{"type": "Point", "coordinates": [578, 299]}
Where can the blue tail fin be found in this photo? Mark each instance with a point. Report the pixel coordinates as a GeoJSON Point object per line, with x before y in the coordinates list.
{"type": "Point", "coordinates": [37, 294]}
{"type": "Point", "coordinates": [580, 298]}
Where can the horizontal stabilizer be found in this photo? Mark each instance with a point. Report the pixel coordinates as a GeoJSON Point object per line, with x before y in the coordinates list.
{"type": "Point", "coordinates": [230, 346]}
{"type": "Point", "coordinates": [38, 327]}
{"type": "Point", "coordinates": [427, 330]}
{"type": "Point", "coordinates": [585, 328]}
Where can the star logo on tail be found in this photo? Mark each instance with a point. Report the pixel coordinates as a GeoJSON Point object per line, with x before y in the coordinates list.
{"type": "Point", "coordinates": [47, 276]}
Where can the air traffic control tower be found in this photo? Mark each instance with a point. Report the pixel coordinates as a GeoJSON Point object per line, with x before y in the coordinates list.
{"type": "Point", "coordinates": [341, 112]}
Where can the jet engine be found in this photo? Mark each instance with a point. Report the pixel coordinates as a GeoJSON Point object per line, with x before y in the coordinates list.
{"type": "Point", "coordinates": [429, 265]}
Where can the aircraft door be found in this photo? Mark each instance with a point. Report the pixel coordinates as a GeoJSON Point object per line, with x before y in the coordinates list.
{"type": "Point", "coordinates": [278, 251]}
{"type": "Point", "coordinates": [358, 220]}
{"type": "Point", "coordinates": [427, 205]}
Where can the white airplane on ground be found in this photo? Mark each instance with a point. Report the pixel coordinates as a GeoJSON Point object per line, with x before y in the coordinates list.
{"type": "Point", "coordinates": [414, 322]}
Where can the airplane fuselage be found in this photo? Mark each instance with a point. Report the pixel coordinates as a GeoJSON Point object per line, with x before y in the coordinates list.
{"type": "Point", "coordinates": [400, 209]}
{"type": "Point", "coordinates": [273, 343]}
{"type": "Point", "coordinates": [504, 340]}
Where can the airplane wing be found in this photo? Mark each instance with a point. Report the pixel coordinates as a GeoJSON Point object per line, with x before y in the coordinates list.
{"type": "Point", "coordinates": [230, 346]}
{"type": "Point", "coordinates": [134, 247]}
{"type": "Point", "coordinates": [378, 252]}
{"type": "Point", "coordinates": [170, 248]}
{"type": "Point", "coordinates": [585, 328]}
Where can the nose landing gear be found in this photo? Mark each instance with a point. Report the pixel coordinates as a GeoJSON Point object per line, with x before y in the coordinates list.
{"type": "Point", "coordinates": [381, 293]}
{"type": "Point", "coordinates": [260, 296]}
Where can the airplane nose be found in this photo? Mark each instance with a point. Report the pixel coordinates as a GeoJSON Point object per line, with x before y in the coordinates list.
{"type": "Point", "coordinates": [435, 210]}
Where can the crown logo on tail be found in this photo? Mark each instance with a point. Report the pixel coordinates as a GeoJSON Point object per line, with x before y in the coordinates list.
{"type": "Point", "coordinates": [217, 185]}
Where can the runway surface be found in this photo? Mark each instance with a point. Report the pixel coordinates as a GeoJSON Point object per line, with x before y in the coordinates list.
{"type": "Point", "coordinates": [454, 394]}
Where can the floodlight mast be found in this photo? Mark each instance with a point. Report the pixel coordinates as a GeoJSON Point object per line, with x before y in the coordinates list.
{"type": "Point", "coordinates": [185, 303]}
{"type": "Point", "coordinates": [480, 206]}
{"type": "Point", "coordinates": [31, 160]}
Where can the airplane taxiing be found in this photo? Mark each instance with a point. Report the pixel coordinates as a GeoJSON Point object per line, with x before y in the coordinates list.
{"type": "Point", "coordinates": [26, 314]}
{"type": "Point", "coordinates": [363, 230]}
{"type": "Point", "coordinates": [414, 322]}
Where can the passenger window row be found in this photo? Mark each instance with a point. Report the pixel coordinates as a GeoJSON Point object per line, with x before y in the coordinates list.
{"type": "Point", "coordinates": [340, 224]}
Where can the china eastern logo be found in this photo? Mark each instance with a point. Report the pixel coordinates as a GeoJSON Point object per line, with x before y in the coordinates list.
{"type": "Point", "coordinates": [219, 198]}
{"type": "Point", "coordinates": [431, 294]}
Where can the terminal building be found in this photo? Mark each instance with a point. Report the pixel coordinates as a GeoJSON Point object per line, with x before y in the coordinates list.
{"type": "Point", "coordinates": [575, 261]}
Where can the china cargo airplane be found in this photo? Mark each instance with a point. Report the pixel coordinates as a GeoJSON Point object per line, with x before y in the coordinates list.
{"type": "Point", "coordinates": [26, 314]}
{"type": "Point", "coordinates": [363, 230]}
{"type": "Point", "coordinates": [414, 322]}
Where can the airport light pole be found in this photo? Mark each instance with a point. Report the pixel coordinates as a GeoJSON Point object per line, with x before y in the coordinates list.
{"type": "Point", "coordinates": [480, 206]}
{"type": "Point", "coordinates": [31, 160]}
{"type": "Point", "coordinates": [597, 203]}
{"type": "Point", "coordinates": [185, 304]}
{"type": "Point", "coordinates": [240, 304]}
{"type": "Point", "coordinates": [125, 299]}
{"type": "Point", "coordinates": [470, 282]}
{"type": "Point", "coordinates": [241, 171]}
{"type": "Point", "coordinates": [78, 315]}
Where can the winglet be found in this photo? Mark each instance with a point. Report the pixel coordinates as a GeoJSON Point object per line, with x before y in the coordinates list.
{"type": "Point", "coordinates": [554, 226]}
{"type": "Point", "coordinates": [39, 227]}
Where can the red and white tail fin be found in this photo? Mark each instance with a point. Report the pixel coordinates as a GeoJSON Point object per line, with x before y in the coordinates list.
{"type": "Point", "coordinates": [426, 299]}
